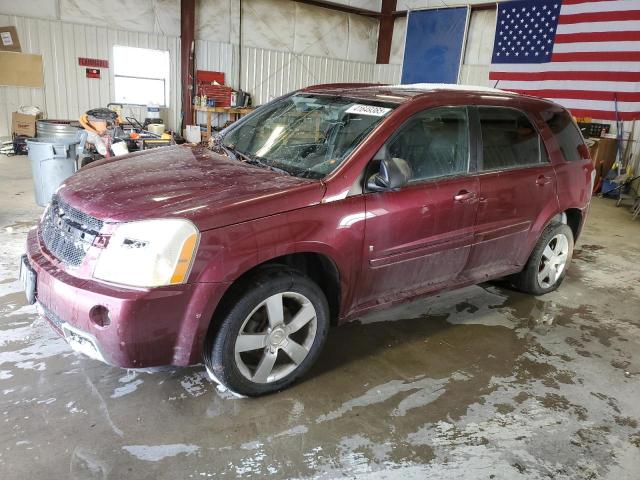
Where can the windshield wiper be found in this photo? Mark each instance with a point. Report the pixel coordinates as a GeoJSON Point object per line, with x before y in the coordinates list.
{"type": "Point", "coordinates": [255, 161]}
{"type": "Point", "coordinates": [228, 151]}
{"type": "Point", "coordinates": [236, 154]}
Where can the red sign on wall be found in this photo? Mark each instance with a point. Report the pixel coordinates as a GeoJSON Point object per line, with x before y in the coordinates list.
{"type": "Point", "coordinates": [93, 73]}
{"type": "Point", "coordinates": [93, 62]}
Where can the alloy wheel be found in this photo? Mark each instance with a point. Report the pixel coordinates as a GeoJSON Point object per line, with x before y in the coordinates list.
{"type": "Point", "coordinates": [553, 261]}
{"type": "Point", "coordinates": [276, 337]}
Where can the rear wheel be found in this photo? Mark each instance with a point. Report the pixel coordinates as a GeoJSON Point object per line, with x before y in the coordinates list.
{"type": "Point", "coordinates": [547, 266]}
{"type": "Point", "coordinates": [270, 334]}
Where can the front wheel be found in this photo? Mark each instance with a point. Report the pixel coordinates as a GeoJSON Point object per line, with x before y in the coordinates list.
{"type": "Point", "coordinates": [271, 333]}
{"type": "Point", "coordinates": [547, 266]}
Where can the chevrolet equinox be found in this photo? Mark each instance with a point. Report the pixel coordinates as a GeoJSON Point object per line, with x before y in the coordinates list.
{"type": "Point", "coordinates": [317, 207]}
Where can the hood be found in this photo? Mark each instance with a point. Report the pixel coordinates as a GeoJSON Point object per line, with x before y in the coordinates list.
{"type": "Point", "coordinates": [182, 182]}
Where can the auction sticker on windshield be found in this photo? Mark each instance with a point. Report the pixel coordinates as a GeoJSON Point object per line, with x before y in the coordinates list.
{"type": "Point", "coordinates": [368, 110]}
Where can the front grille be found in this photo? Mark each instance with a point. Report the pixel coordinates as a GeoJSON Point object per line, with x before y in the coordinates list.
{"type": "Point", "coordinates": [68, 233]}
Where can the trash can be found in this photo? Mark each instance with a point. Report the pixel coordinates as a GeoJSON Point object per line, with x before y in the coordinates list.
{"type": "Point", "coordinates": [52, 161]}
{"type": "Point", "coordinates": [54, 129]}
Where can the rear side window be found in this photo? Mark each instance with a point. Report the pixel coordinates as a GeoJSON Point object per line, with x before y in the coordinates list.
{"type": "Point", "coordinates": [566, 132]}
{"type": "Point", "coordinates": [508, 139]}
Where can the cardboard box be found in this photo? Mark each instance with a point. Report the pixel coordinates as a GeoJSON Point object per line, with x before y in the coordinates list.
{"type": "Point", "coordinates": [21, 69]}
{"type": "Point", "coordinates": [22, 124]}
{"type": "Point", "coordinates": [9, 41]}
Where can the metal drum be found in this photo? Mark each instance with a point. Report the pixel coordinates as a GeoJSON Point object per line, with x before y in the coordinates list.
{"type": "Point", "coordinates": [57, 129]}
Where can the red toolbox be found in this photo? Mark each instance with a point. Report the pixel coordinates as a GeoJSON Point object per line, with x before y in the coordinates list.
{"type": "Point", "coordinates": [220, 93]}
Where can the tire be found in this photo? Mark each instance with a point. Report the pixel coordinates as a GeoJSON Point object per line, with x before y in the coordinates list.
{"type": "Point", "coordinates": [534, 279]}
{"type": "Point", "coordinates": [252, 318]}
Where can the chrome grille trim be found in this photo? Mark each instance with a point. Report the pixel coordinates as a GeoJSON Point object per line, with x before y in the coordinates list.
{"type": "Point", "coordinates": [67, 232]}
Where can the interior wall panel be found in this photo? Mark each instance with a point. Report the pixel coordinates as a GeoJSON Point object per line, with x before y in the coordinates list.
{"type": "Point", "coordinates": [267, 74]}
{"type": "Point", "coordinates": [479, 48]}
{"type": "Point", "coordinates": [67, 93]}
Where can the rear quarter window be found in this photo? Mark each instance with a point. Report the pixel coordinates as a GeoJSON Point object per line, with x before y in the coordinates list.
{"type": "Point", "coordinates": [566, 132]}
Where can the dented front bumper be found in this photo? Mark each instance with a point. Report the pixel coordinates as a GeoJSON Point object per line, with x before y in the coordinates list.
{"type": "Point", "coordinates": [142, 327]}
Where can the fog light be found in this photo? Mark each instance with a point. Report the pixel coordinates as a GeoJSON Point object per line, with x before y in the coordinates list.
{"type": "Point", "coordinates": [99, 315]}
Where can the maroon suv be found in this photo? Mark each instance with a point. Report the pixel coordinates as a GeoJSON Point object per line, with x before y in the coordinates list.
{"type": "Point", "coordinates": [318, 207]}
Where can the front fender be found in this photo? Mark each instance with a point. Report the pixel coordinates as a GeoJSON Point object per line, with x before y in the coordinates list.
{"type": "Point", "coordinates": [334, 230]}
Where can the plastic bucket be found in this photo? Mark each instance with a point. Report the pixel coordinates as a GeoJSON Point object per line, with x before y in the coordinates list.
{"type": "Point", "coordinates": [52, 162]}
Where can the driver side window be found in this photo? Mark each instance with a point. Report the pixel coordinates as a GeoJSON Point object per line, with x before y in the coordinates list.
{"type": "Point", "coordinates": [435, 143]}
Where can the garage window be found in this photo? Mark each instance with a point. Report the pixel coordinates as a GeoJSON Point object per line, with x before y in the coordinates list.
{"type": "Point", "coordinates": [141, 75]}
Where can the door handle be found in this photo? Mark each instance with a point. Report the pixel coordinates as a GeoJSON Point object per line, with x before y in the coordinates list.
{"type": "Point", "coordinates": [464, 196]}
{"type": "Point", "coordinates": [543, 180]}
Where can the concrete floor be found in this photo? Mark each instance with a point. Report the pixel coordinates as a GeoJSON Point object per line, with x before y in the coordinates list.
{"type": "Point", "coordinates": [478, 383]}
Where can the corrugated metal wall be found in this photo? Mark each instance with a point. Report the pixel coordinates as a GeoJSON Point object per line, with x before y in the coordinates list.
{"type": "Point", "coordinates": [67, 92]}
{"type": "Point", "coordinates": [479, 48]}
{"type": "Point", "coordinates": [267, 74]}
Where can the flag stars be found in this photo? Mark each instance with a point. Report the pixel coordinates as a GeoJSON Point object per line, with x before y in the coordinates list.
{"type": "Point", "coordinates": [526, 32]}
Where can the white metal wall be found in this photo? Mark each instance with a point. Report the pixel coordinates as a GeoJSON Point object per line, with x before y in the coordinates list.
{"type": "Point", "coordinates": [479, 48]}
{"type": "Point", "coordinates": [267, 74]}
{"type": "Point", "coordinates": [67, 93]}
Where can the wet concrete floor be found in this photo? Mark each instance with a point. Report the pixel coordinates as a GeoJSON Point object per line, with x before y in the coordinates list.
{"type": "Point", "coordinates": [478, 383]}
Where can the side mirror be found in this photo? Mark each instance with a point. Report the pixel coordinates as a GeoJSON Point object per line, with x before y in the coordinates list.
{"type": "Point", "coordinates": [394, 173]}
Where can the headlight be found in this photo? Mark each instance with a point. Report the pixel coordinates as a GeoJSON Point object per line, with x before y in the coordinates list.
{"type": "Point", "coordinates": [149, 253]}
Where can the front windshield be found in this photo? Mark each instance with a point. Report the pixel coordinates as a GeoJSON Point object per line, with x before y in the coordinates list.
{"type": "Point", "coordinates": [306, 135]}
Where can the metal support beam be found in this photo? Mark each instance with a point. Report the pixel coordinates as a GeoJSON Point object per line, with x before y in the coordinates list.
{"type": "Point", "coordinates": [385, 31]}
{"type": "Point", "coordinates": [187, 56]}
{"type": "Point", "coordinates": [340, 7]}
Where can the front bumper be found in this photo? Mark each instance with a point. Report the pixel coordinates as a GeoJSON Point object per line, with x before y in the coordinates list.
{"type": "Point", "coordinates": [147, 327]}
{"type": "Point", "coordinates": [79, 341]}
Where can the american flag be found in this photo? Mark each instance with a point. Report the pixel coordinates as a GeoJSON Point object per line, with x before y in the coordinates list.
{"type": "Point", "coordinates": [582, 54]}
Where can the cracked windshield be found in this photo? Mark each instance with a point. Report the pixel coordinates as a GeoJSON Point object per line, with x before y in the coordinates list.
{"type": "Point", "coordinates": [305, 135]}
